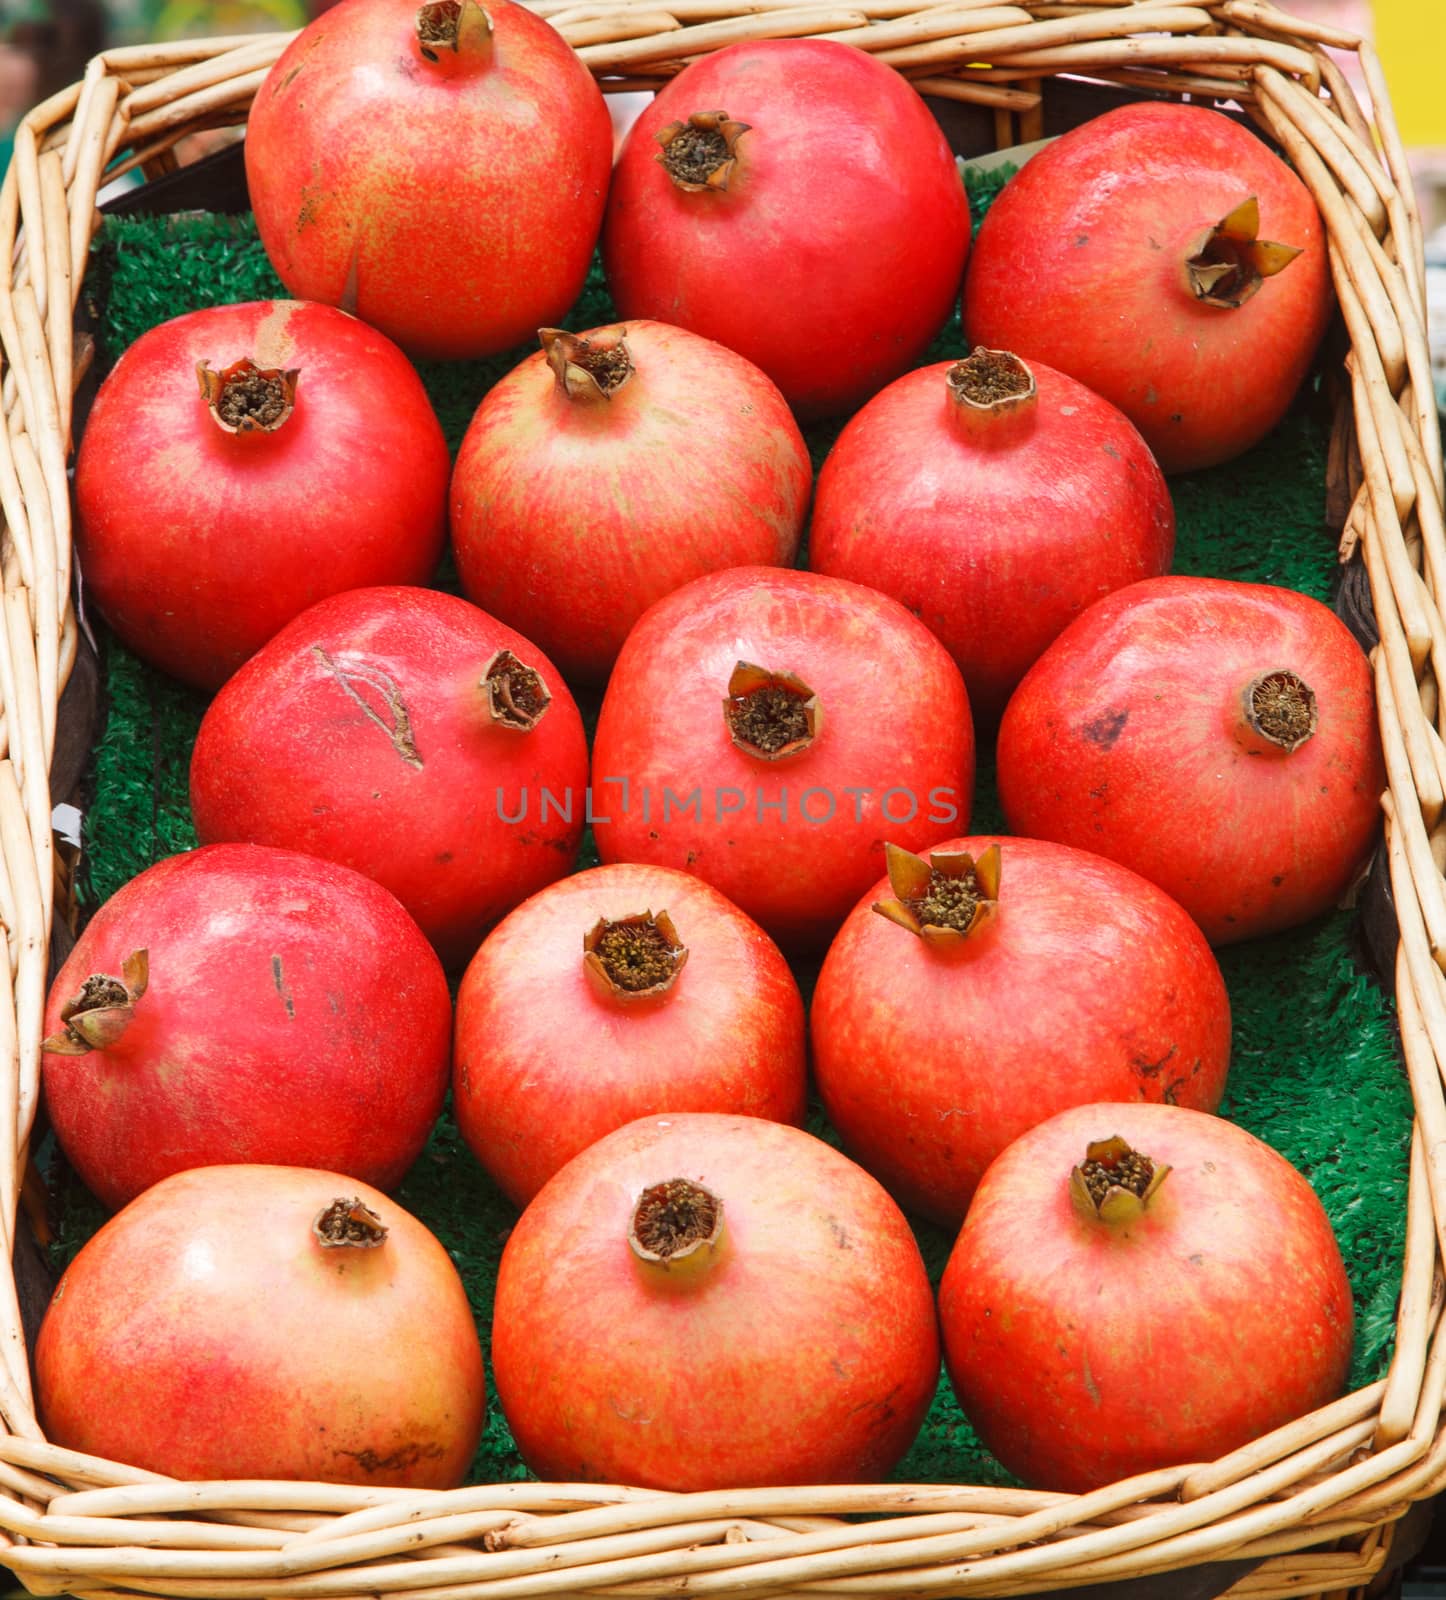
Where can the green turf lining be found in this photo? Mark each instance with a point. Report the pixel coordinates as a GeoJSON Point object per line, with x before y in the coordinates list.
{"type": "Point", "coordinates": [1315, 1060]}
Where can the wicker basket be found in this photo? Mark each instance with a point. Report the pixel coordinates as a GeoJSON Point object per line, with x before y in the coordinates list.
{"type": "Point", "coordinates": [1312, 1505]}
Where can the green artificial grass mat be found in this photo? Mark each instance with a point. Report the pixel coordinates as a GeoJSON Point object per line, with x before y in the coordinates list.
{"type": "Point", "coordinates": [1315, 1065]}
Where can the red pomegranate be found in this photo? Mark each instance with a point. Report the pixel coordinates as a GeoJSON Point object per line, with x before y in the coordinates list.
{"type": "Point", "coordinates": [615, 994]}
{"type": "Point", "coordinates": [1219, 738]}
{"type": "Point", "coordinates": [306, 461]}
{"type": "Point", "coordinates": [237, 1004]}
{"type": "Point", "coordinates": [411, 736]}
{"type": "Point", "coordinates": [767, 730]}
{"type": "Point", "coordinates": [305, 1303]}
{"type": "Point", "coordinates": [1006, 980]}
{"type": "Point", "coordinates": [1140, 1286]}
{"type": "Point", "coordinates": [1133, 254]}
{"type": "Point", "coordinates": [995, 500]}
{"type": "Point", "coordinates": [702, 1302]}
{"type": "Point", "coordinates": [805, 210]}
{"type": "Point", "coordinates": [612, 468]}
{"type": "Point", "coordinates": [440, 171]}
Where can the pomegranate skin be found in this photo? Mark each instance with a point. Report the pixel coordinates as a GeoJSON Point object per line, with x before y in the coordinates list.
{"type": "Point", "coordinates": [362, 734]}
{"type": "Point", "coordinates": [994, 530]}
{"type": "Point", "coordinates": [1085, 1353]}
{"type": "Point", "coordinates": [208, 1300]}
{"type": "Point", "coordinates": [293, 1014]}
{"type": "Point", "coordinates": [1081, 263]}
{"type": "Point", "coordinates": [833, 256]}
{"type": "Point", "coordinates": [199, 545]}
{"type": "Point", "coordinates": [1127, 738]}
{"type": "Point", "coordinates": [1086, 984]}
{"type": "Point", "coordinates": [452, 203]}
{"type": "Point", "coordinates": [571, 516]}
{"type": "Point", "coordinates": [804, 1351]}
{"type": "Point", "coordinates": [547, 1063]}
{"type": "Point", "coordinates": [895, 742]}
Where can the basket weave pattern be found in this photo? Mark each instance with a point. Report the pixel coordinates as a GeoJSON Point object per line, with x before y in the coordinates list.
{"type": "Point", "coordinates": [1339, 1477]}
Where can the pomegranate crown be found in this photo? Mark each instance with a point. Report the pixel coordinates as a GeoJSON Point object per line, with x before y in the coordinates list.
{"type": "Point", "coordinates": [945, 899]}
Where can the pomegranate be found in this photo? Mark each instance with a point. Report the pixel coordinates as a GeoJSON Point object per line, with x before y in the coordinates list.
{"type": "Point", "coordinates": [306, 460]}
{"type": "Point", "coordinates": [611, 468]}
{"type": "Point", "coordinates": [617, 993]}
{"type": "Point", "coordinates": [705, 1301]}
{"type": "Point", "coordinates": [1153, 275]}
{"type": "Point", "coordinates": [816, 223]}
{"type": "Point", "coordinates": [767, 730]}
{"type": "Point", "coordinates": [238, 1004]}
{"type": "Point", "coordinates": [265, 1322]}
{"type": "Point", "coordinates": [996, 500]}
{"type": "Point", "coordinates": [1140, 1286]}
{"type": "Point", "coordinates": [1217, 737]}
{"type": "Point", "coordinates": [1005, 980]}
{"type": "Point", "coordinates": [411, 736]}
{"type": "Point", "coordinates": [440, 171]}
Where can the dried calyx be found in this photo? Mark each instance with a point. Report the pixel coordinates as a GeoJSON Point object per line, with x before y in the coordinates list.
{"type": "Point", "coordinates": [771, 715]}
{"type": "Point", "coordinates": [992, 396]}
{"type": "Point", "coordinates": [701, 153]}
{"type": "Point", "coordinates": [1281, 708]}
{"type": "Point", "coordinates": [349, 1223]}
{"type": "Point", "coordinates": [245, 398]}
{"type": "Point", "coordinates": [1230, 262]}
{"type": "Point", "coordinates": [453, 30]}
{"type": "Point", "coordinates": [945, 899]}
{"type": "Point", "coordinates": [587, 368]}
{"type": "Point", "coordinates": [1114, 1183]}
{"type": "Point", "coordinates": [96, 1017]}
{"type": "Point", "coordinates": [677, 1224]}
{"type": "Point", "coordinates": [990, 380]}
{"type": "Point", "coordinates": [516, 695]}
{"type": "Point", "coordinates": [633, 958]}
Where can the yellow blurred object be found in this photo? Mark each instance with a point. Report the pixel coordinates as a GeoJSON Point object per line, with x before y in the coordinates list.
{"type": "Point", "coordinates": [1411, 41]}
{"type": "Point", "coordinates": [192, 19]}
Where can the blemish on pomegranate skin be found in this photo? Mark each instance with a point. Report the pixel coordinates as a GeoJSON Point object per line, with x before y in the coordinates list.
{"type": "Point", "coordinates": [353, 674]}
{"type": "Point", "coordinates": [1103, 730]}
{"type": "Point", "coordinates": [1152, 1069]}
{"type": "Point", "coordinates": [279, 980]}
{"type": "Point", "coordinates": [400, 1460]}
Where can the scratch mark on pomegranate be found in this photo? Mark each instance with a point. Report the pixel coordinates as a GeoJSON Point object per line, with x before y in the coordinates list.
{"type": "Point", "coordinates": [883, 1410]}
{"type": "Point", "coordinates": [281, 989]}
{"type": "Point", "coordinates": [408, 1455]}
{"type": "Point", "coordinates": [1152, 1069]}
{"type": "Point", "coordinates": [1171, 1096]}
{"type": "Point", "coordinates": [351, 672]}
{"type": "Point", "coordinates": [1092, 1389]}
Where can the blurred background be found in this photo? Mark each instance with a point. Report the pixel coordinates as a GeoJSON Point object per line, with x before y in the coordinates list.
{"type": "Point", "coordinates": [45, 44]}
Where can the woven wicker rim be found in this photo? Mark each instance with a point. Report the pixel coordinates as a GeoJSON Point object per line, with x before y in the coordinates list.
{"type": "Point", "coordinates": [1340, 1476]}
